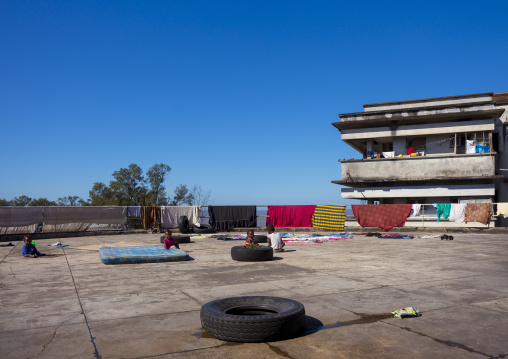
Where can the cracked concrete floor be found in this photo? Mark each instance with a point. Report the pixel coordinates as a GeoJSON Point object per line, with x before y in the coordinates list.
{"type": "Point", "coordinates": [70, 305]}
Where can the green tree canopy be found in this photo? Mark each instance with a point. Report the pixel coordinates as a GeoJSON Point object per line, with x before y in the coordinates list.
{"type": "Point", "coordinates": [4, 202]}
{"type": "Point", "coordinates": [101, 195]}
{"type": "Point", "coordinates": [21, 201]}
{"type": "Point", "coordinates": [42, 202]}
{"type": "Point", "coordinates": [182, 196]}
{"type": "Point", "coordinates": [156, 176]}
{"type": "Point", "coordinates": [128, 186]}
{"type": "Point", "coordinates": [70, 201]}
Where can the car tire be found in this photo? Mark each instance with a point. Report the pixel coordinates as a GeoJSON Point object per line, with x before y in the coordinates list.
{"type": "Point", "coordinates": [253, 319]}
{"type": "Point", "coordinates": [260, 238]}
{"type": "Point", "coordinates": [203, 228]}
{"type": "Point", "coordinates": [183, 224]}
{"type": "Point", "coordinates": [256, 254]}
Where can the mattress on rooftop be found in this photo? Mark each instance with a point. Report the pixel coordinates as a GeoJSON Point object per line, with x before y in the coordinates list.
{"type": "Point", "coordinates": [142, 254]}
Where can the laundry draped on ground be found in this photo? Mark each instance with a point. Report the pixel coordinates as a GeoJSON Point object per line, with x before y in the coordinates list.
{"type": "Point", "coordinates": [228, 217]}
{"type": "Point", "coordinates": [384, 216]}
{"type": "Point", "coordinates": [329, 217]}
{"type": "Point", "coordinates": [290, 216]}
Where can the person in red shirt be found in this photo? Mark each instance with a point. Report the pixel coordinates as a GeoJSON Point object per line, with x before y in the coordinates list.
{"type": "Point", "coordinates": [250, 238]}
{"type": "Point", "coordinates": [169, 241]}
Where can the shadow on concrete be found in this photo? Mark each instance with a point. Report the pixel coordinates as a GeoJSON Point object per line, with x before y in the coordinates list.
{"type": "Point", "coordinates": [312, 325]}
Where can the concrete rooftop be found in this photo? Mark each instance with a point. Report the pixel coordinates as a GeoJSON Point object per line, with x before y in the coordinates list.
{"type": "Point", "coordinates": [70, 305]}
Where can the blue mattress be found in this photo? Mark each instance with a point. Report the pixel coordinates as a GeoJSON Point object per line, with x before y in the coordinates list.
{"type": "Point", "coordinates": [144, 254]}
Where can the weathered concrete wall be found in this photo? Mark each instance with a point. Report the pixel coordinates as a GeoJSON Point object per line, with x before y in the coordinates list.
{"type": "Point", "coordinates": [441, 192]}
{"type": "Point", "coordinates": [418, 130]}
{"type": "Point", "coordinates": [419, 168]}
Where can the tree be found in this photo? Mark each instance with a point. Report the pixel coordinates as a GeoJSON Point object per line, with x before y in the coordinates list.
{"type": "Point", "coordinates": [4, 202]}
{"type": "Point", "coordinates": [41, 202]}
{"type": "Point", "coordinates": [200, 197]}
{"type": "Point", "coordinates": [21, 201]}
{"type": "Point", "coordinates": [101, 195]}
{"type": "Point", "coordinates": [156, 175]}
{"type": "Point", "coordinates": [182, 195]}
{"type": "Point", "coordinates": [70, 201]}
{"type": "Point", "coordinates": [129, 188]}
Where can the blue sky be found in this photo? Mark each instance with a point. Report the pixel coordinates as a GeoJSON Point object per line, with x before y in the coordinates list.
{"type": "Point", "coordinates": [236, 97]}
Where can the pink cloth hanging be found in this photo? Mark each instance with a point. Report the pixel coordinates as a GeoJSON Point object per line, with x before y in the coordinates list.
{"type": "Point", "coordinates": [290, 216]}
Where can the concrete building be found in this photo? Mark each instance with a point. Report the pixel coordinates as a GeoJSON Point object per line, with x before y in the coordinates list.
{"type": "Point", "coordinates": [445, 165]}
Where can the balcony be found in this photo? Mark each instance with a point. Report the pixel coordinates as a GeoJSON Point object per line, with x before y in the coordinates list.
{"type": "Point", "coordinates": [422, 168]}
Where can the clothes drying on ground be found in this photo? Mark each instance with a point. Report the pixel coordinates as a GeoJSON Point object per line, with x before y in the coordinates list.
{"type": "Point", "coordinates": [396, 236]}
{"type": "Point", "coordinates": [290, 216]}
{"type": "Point", "coordinates": [443, 209]}
{"type": "Point", "coordinates": [384, 216]}
{"type": "Point", "coordinates": [479, 212]}
{"type": "Point", "coordinates": [457, 212]}
{"type": "Point", "coordinates": [150, 216]}
{"type": "Point", "coordinates": [171, 214]}
{"type": "Point", "coordinates": [228, 217]}
{"type": "Point", "coordinates": [416, 207]}
{"type": "Point", "coordinates": [329, 217]}
{"type": "Point", "coordinates": [502, 209]}
{"type": "Point", "coordinates": [134, 211]}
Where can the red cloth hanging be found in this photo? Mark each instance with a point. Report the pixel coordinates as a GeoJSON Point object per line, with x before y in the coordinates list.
{"type": "Point", "coordinates": [384, 216]}
{"type": "Point", "coordinates": [290, 216]}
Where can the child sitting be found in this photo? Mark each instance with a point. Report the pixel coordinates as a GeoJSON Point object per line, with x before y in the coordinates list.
{"type": "Point", "coordinates": [250, 238]}
{"type": "Point", "coordinates": [274, 239]}
{"type": "Point", "coordinates": [169, 241]}
{"type": "Point", "coordinates": [29, 249]}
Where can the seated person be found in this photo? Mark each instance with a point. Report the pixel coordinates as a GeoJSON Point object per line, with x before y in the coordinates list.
{"type": "Point", "coordinates": [250, 238]}
{"type": "Point", "coordinates": [29, 249]}
{"type": "Point", "coordinates": [274, 239]}
{"type": "Point", "coordinates": [169, 241]}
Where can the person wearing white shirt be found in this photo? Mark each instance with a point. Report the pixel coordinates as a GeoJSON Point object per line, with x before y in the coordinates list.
{"type": "Point", "coordinates": [274, 239]}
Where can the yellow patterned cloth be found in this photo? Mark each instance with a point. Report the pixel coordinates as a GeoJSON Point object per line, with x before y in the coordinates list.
{"type": "Point", "coordinates": [329, 217]}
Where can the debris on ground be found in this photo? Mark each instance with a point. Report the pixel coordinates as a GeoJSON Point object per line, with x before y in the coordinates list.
{"type": "Point", "coordinates": [407, 312]}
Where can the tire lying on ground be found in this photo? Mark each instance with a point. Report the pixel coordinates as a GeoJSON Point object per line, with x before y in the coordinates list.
{"type": "Point", "coordinates": [203, 228]}
{"type": "Point", "coordinates": [178, 239]}
{"type": "Point", "coordinates": [183, 224]}
{"type": "Point", "coordinates": [260, 239]}
{"type": "Point", "coordinates": [253, 319]}
{"type": "Point", "coordinates": [256, 254]}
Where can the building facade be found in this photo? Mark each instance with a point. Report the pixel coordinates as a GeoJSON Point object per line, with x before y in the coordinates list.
{"type": "Point", "coordinates": [437, 150]}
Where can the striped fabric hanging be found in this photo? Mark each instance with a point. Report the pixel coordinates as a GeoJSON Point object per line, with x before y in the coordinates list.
{"type": "Point", "coordinates": [329, 217]}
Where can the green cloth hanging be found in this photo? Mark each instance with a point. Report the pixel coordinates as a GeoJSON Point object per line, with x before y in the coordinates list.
{"type": "Point", "coordinates": [443, 209]}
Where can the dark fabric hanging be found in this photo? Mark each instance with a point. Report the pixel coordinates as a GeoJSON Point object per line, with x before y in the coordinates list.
{"type": "Point", "coordinates": [229, 217]}
{"type": "Point", "coordinates": [150, 216]}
